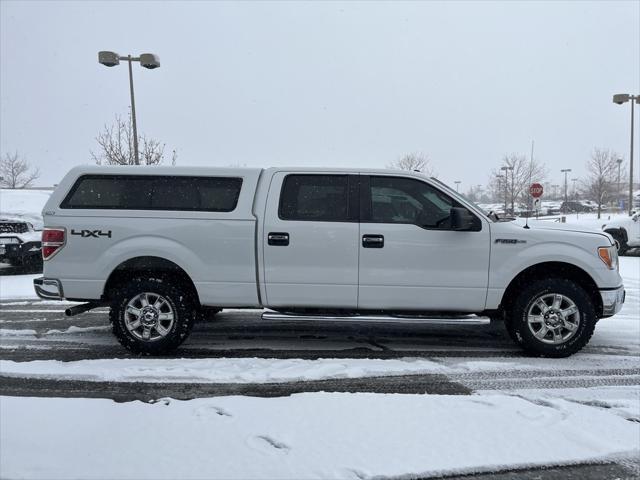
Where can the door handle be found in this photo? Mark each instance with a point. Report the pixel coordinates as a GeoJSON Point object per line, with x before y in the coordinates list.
{"type": "Point", "coordinates": [373, 241]}
{"type": "Point", "coordinates": [280, 239]}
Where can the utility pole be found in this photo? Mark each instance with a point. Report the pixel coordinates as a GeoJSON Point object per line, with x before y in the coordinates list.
{"type": "Point", "coordinates": [566, 199]}
{"type": "Point", "coordinates": [621, 98]}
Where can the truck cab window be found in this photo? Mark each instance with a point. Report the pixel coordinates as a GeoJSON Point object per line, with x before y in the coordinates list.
{"type": "Point", "coordinates": [321, 198]}
{"type": "Point", "coordinates": [405, 200]}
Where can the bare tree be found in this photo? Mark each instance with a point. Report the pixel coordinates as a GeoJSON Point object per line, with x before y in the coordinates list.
{"type": "Point", "coordinates": [414, 162]}
{"type": "Point", "coordinates": [519, 172]}
{"type": "Point", "coordinates": [115, 144]}
{"type": "Point", "coordinates": [16, 172]}
{"type": "Point", "coordinates": [602, 175]}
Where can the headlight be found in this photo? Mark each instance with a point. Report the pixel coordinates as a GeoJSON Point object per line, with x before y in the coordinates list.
{"type": "Point", "coordinates": [609, 255]}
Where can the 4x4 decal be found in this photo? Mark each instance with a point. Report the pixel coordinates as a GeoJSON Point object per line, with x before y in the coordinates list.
{"type": "Point", "coordinates": [91, 233]}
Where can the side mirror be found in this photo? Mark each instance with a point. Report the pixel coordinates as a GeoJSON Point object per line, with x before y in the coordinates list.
{"type": "Point", "coordinates": [462, 220]}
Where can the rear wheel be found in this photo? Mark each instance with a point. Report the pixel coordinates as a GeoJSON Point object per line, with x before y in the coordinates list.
{"type": "Point", "coordinates": [552, 318]}
{"type": "Point", "coordinates": [151, 316]}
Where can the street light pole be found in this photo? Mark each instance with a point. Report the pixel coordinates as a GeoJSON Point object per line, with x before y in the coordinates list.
{"type": "Point", "coordinates": [621, 98]}
{"type": "Point", "coordinates": [457, 182]}
{"type": "Point", "coordinates": [637, 99]}
{"type": "Point", "coordinates": [147, 60]}
{"type": "Point", "coordinates": [575, 192]}
{"type": "Point", "coordinates": [133, 114]}
{"type": "Point", "coordinates": [565, 171]}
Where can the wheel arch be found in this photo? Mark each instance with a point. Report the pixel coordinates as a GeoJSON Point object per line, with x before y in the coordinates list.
{"type": "Point", "coordinates": [553, 269]}
{"type": "Point", "coordinates": [150, 266]}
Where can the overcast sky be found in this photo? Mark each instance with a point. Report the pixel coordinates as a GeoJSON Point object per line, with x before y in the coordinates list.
{"type": "Point", "coordinates": [324, 84]}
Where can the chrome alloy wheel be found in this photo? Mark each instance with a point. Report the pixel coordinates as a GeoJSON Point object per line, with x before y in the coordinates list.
{"type": "Point", "coordinates": [149, 316]}
{"type": "Point", "coordinates": [553, 318]}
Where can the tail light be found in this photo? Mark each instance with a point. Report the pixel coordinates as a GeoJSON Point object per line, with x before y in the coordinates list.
{"type": "Point", "coordinates": [53, 239]}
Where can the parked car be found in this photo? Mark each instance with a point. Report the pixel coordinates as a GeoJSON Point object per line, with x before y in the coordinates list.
{"type": "Point", "coordinates": [625, 231]}
{"type": "Point", "coordinates": [20, 244]}
{"type": "Point", "coordinates": [159, 244]}
{"type": "Point", "coordinates": [575, 207]}
{"type": "Point", "coordinates": [593, 206]}
{"type": "Point", "coordinates": [551, 208]}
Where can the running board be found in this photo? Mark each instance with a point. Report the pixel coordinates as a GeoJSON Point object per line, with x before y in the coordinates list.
{"type": "Point", "coordinates": [419, 320]}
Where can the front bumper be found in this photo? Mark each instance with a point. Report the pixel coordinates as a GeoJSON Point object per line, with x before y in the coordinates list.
{"type": "Point", "coordinates": [612, 301]}
{"type": "Point", "coordinates": [48, 288]}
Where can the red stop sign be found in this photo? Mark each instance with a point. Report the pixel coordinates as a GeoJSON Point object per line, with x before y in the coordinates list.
{"type": "Point", "coordinates": [535, 190]}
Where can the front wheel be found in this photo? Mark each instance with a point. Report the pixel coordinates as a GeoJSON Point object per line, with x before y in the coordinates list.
{"type": "Point", "coordinates": [151, 316]}
{"type": "Point", "coordinates": [552, 318]}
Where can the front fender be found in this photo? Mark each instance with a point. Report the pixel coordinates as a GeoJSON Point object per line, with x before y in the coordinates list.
{"type": "Point", "coordinates": [507, 264]}
{"type": "Point", "coordinates": [504, 270]}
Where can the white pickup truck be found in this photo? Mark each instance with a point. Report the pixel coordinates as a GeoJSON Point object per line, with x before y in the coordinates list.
{"type": "Point", "coordinates": [161, 244]}
{"type": "Point", "coordinates": [626, 231]}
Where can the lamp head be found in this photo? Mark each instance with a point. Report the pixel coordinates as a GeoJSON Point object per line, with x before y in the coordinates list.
{"type": "Point", "coordinates": [621, 98]}
{"type": "Point", "coordinates": [149, 60]}
{"type": "Point", "coordinates": [108, 59]}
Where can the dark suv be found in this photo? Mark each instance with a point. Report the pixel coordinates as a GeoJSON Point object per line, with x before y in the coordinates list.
{"type": "Point", "coordinates": [575, 207]}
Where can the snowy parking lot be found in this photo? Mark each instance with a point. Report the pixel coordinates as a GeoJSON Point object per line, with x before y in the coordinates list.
{"type": "Point", "coordinates": [249, 398]}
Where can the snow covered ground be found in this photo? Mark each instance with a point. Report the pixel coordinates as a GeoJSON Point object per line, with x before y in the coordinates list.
{"type": "Point", "coordinates": [17, 287]}
{"type": "Point", "coordinates": [311, 435]}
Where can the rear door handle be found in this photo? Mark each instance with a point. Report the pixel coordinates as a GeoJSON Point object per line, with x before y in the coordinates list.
{"type": "Point", "coordinates": [280, 239]}
{"type": "Point", "coordinates": [373, 241]}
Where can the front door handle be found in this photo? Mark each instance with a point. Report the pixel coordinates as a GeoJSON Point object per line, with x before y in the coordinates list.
{"type": "Point", "coordinates": [280, 239]}
{"type": "Point", "coordinates": [373, 241]}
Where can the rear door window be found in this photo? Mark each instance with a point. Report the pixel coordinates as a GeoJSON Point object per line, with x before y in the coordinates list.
{"type": "Point", "coordinates": [147, 192]}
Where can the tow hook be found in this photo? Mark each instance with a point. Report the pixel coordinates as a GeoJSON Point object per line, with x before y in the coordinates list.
{"type": "Point", "coordinates": [83, 307]}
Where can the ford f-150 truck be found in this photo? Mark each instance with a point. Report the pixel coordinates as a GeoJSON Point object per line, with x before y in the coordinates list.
{"type": "Point", "coordinates": [160, 244]}
{"type": "Point", "coordinates": [625, 231]}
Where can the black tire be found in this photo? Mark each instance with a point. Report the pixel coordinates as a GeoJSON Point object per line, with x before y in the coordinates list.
{"type": "Point", "coordinates": [33, 263]}
{"type": "Point", "coordinates": [15, 262]}
{"type": "Point", "coordinates": [183, 308]}
{"type": "Point", "coordinates": [518, 326]}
